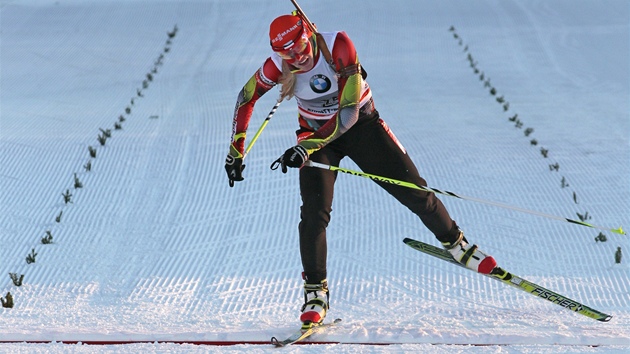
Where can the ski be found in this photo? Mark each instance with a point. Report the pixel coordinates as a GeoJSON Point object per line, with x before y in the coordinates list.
{"type": "Point", "coordinates": [515, 281]}
{"type": "Point", "coordinates": [300, 335]}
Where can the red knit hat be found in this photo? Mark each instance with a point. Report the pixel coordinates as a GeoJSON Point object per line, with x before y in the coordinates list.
{"type": "Point", "coordinates": [285, 31]}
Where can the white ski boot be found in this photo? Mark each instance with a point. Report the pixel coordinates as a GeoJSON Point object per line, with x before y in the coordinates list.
{"type": "Point", "coordinates": [470, 255]}
{"type": "Point", "coordinates": [315, 304]}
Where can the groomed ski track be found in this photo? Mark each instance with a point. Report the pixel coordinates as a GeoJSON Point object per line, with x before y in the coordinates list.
{"type": "Point", "coordinates": [154, 252]}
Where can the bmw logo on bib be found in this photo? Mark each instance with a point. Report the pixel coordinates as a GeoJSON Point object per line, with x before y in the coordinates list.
{"type": "Point", "coordinates": [320, 83]}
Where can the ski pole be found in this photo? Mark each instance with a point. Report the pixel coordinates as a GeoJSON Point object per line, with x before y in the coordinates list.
{"type": "Point", "coordinates": [381, 179]}
{"type": "Point", "coordinates": [262, 127]}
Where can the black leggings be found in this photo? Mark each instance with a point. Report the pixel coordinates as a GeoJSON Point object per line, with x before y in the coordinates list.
{"type": "Point", "coordinates": [372, 146]}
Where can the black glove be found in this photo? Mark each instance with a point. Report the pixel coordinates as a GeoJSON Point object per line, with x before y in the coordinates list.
{"type": "Point", "coordinates": [234, 168]}
{"type": "Point", "coordinates": [294, 157]}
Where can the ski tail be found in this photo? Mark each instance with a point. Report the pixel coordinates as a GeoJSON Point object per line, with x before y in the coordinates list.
{"type": "Point", "coordinates": [302, 334]}
{"type": "Point", "coordinates": [515, 281]}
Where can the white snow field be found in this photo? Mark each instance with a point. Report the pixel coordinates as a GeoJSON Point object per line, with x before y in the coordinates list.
{"type": "Point", "coordinates": [157, 251]}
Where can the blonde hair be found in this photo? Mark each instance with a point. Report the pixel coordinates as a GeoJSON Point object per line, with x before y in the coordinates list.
{"type": "Point", "coordinates": [287, 80]}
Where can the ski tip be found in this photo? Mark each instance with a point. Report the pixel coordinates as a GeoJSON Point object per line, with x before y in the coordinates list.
{"type": "Point", "coordinates": [605, 319]}
{"type": "Point", "coordinates": [276, 342]}
{"type": "Point", "coordinates": [407, 240]}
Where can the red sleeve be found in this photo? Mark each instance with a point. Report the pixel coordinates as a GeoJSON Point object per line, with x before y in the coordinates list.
{"type": "Point", "coordinates": [343, 50]}
{"type": "Point", "coordinates": [270, 71]}
{"type": "Point", "coordinates": [262, 81]}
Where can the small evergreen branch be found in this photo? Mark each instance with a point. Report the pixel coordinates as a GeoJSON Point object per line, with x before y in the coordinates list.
{"type": "Point", "coordinates": [17, 281]}
{"type": "Point", "coordinates": [8, 303]}
{"type": "Point", "coordinates": [77, 183]}
{"type": "Point", "coordinates": [584, 217]}
{"type": "Point", "coordinates": [173, 32]}
{"type": "Point", "coordinates": [31, 257]}
{"type": "Point", "coordinates": [67, 197]}
{"type": "Point", "coordinates": [102, 139]}
{"type": "Point", "coordinates": [48, 239]}
{"type": "Point", "coordinates": [106, 132]}
{"type": "Point", "coordinates": [544, 152]}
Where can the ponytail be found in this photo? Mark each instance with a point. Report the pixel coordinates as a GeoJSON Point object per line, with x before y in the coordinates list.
{"type": "Point", "coordinates": [287, 80]}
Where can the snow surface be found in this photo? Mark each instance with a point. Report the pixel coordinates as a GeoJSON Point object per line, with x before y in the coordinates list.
{"type": "Point", "coordinates": [156, 246]}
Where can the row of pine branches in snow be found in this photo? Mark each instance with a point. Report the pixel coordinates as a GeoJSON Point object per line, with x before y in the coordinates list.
{"type": "Point", "coordinates": [528, 131]}
{"type": "Point", "coordinates": [102, 138]}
